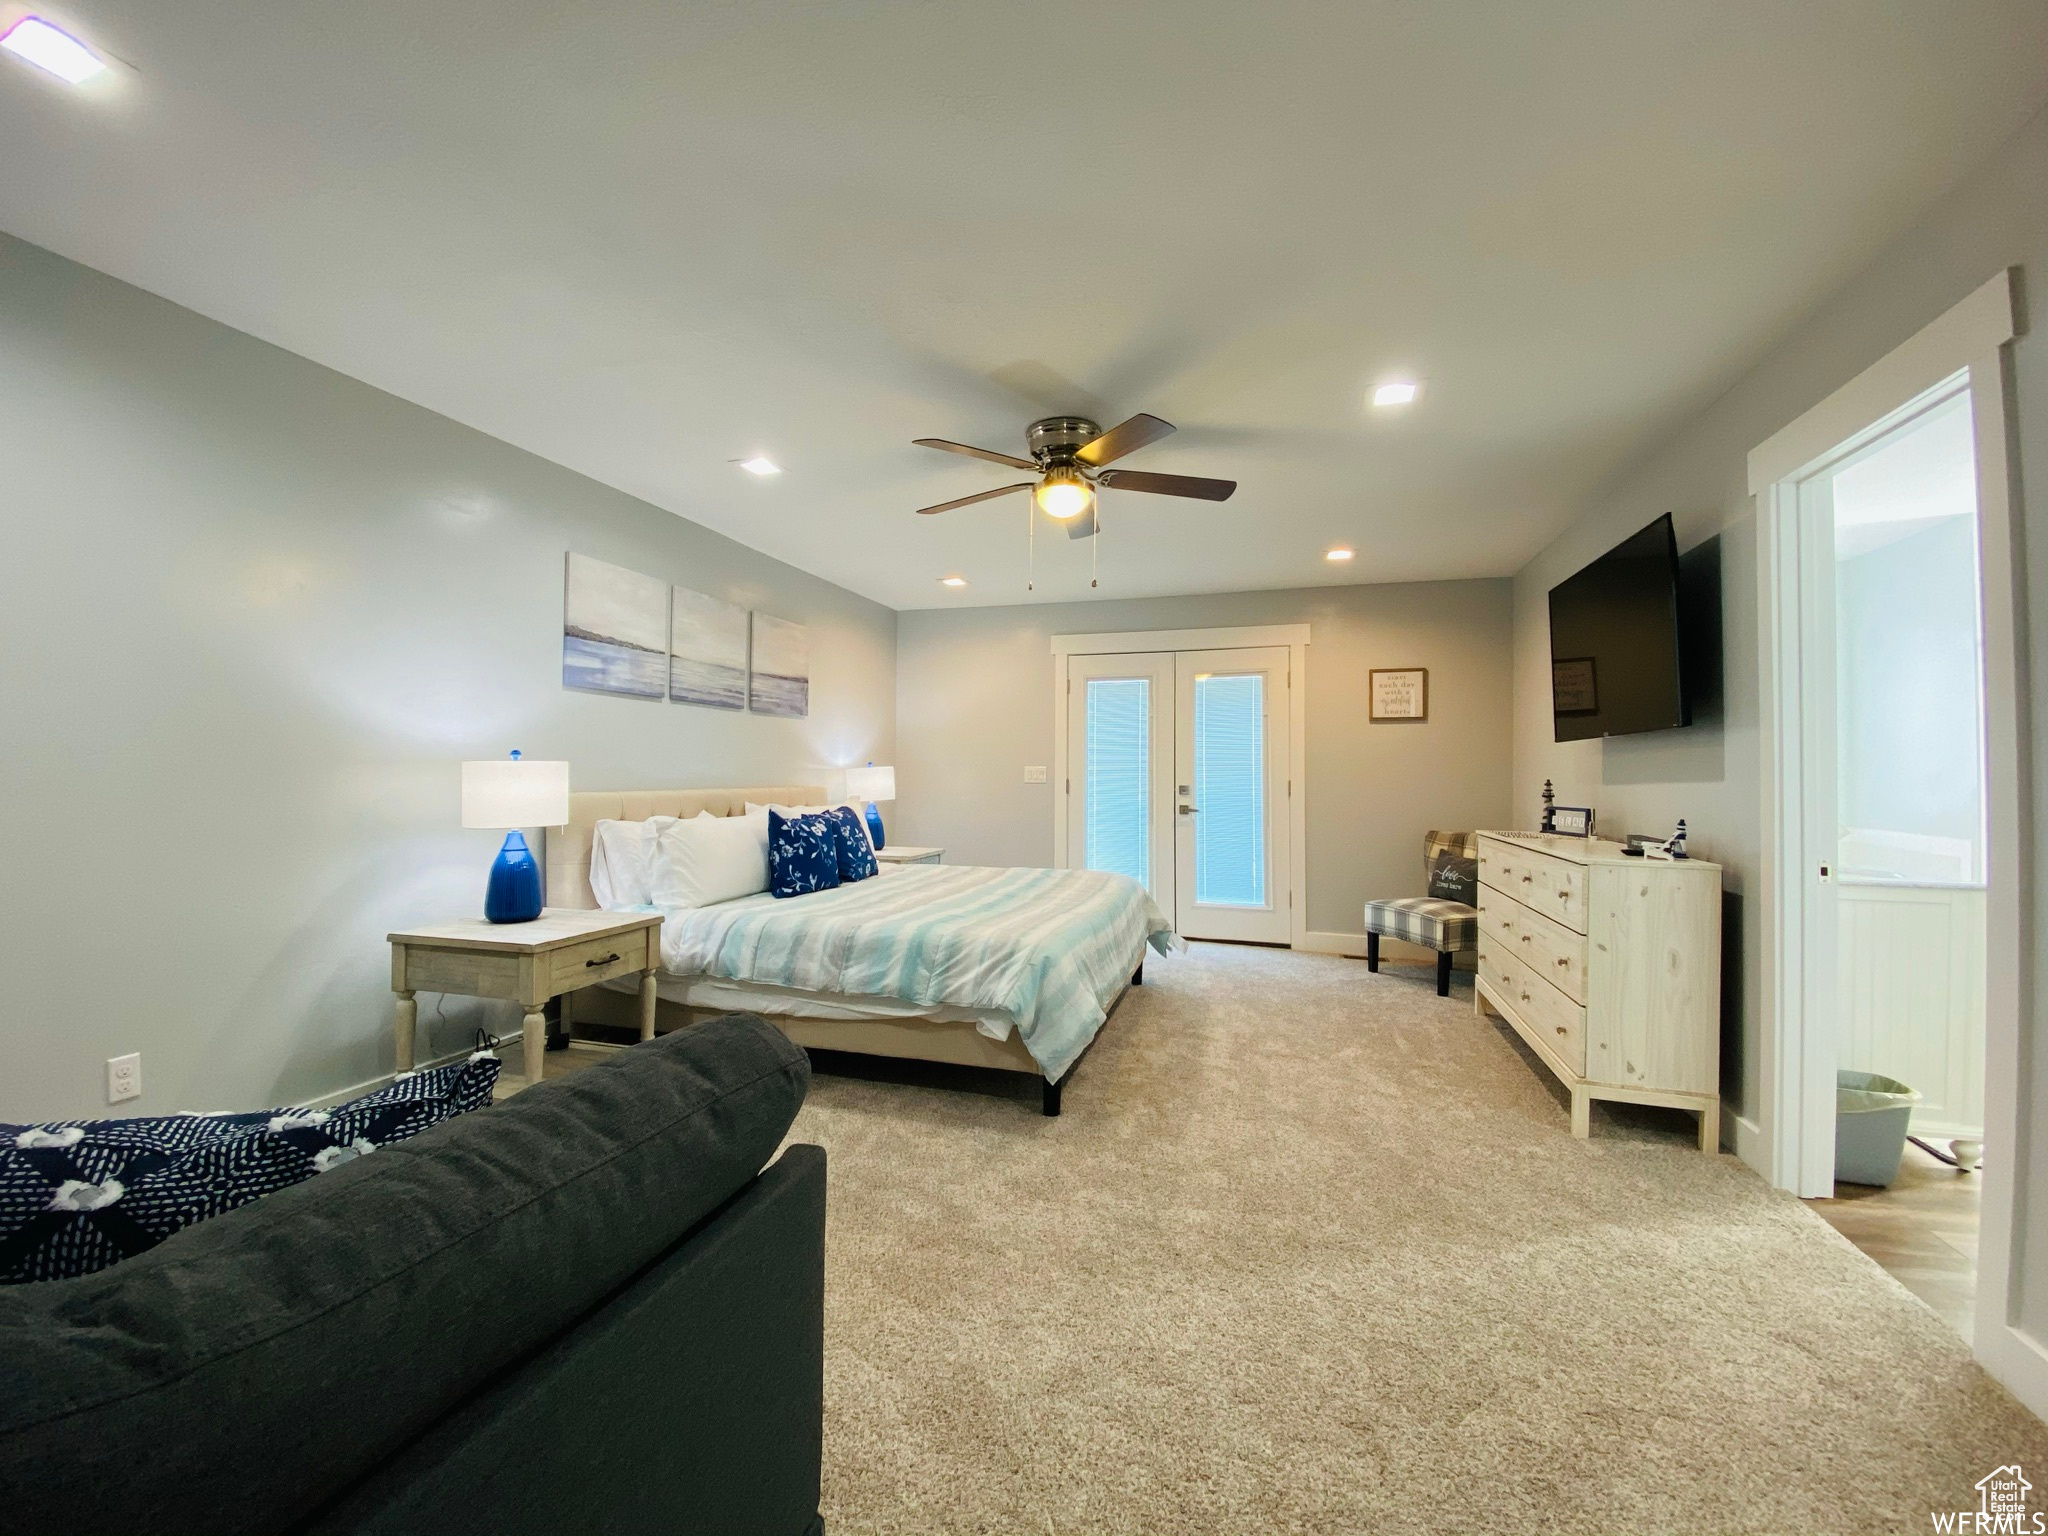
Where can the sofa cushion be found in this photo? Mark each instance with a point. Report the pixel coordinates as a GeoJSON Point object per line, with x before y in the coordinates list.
{"type": "Point", "coordinates": [244, 1371]}
{"type": "Point", "coordinates": [79, 1195]}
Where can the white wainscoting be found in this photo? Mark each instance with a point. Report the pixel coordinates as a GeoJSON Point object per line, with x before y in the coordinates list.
{"type": "Point", "coordinates": [1912, 992]}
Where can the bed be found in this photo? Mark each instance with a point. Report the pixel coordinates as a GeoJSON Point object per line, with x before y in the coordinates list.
{"type": "Point", "coordinates": [1011, 969]}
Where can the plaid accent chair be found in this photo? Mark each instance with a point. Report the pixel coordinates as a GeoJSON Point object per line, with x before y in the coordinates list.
{"type": "Point", "coordinates": [1450, 864]}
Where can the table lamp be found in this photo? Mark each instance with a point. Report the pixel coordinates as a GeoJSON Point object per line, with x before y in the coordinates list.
{"type": "Point", "coordinates": [511, 793]}
{"type": "Point", "coordinates": [872, 784]}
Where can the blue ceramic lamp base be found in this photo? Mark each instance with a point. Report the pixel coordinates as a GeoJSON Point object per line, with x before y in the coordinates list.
{"type": "Point", "coordinates": [513, 895]}
{"type": "Point", "coordinates": [875, 827]}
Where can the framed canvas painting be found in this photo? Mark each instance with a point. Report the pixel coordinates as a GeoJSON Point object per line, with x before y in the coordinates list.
{"type": "Point", "coordinates": [780, 682]}
{"type": "Point", "coordinates": [707, 651]}
{"type": "Point", "coordinates": [614, 630]}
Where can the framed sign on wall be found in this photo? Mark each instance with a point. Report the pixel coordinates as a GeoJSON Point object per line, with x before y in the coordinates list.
{"type": "Point", "coordinates": [1401, 694]}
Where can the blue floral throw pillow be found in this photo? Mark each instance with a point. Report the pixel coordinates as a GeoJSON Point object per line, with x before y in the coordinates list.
{"type": "Point", "coordinates": [803, 855]}
{"type": "Point", "coordinates": [856, 854]}
{"type": "Point", "coordinates": [79, 1195]}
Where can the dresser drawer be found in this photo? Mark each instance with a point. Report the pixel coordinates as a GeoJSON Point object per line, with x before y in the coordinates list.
{"type": "Point", "coordinates": [1543, 1010]}
{"type": "Point", "coordinates": [1542, 944]}
{"type": "Point", "coordinates": [595, 960]}
{"type": "Point", "coordinates": [1553, 887]}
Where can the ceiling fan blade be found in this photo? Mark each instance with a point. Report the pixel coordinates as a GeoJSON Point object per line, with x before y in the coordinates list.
{"type": "Point", "coordinates": [1125, 437]}
{"type": "Point", "coordinates": [968, 501]}
{"type": "Point", "coordinates": [1167, 485]}
{"type": "Point", "coordinates": [977, 453]}
{"type": "Point", "coordinates": [1082, 527]}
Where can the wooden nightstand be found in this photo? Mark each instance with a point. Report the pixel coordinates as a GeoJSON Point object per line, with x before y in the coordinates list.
{"type": "Point", "coordinates": [897, 854]}
{"type": "Point", "coordinates": [560, 951]}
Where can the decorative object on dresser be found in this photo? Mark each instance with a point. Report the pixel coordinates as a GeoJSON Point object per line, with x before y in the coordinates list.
{"type": "Point", "coordinates": [556, 954]}
{"type": "Point", "coordinates": [1548, 823]}
{"type": "Point", "coordinates": [1445, 920]}
{"type": "Point", "coordinates": [1609, 967]}
{"type": "Point", "coordinates": [507, 795]}
{"type": "Point", "coordinates": [872, 784]}
{"type": "Point", "coordinates": [1399, 693]}
{"type": "Point", "coordinates": [1571, 820]}
{"type": "Point", "coordinates": [900, 855]}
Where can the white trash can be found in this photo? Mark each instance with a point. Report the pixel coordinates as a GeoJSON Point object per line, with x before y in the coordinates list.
{"type": "Point", "coordinates": [1871, 1115]}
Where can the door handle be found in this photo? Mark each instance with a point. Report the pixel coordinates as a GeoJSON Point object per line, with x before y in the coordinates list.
{"type": "Point", "coordinates": [1189, 810]}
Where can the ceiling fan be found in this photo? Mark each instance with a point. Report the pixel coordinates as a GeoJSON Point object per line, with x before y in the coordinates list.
{"type": "Point", "coordinates": [1068, 454]}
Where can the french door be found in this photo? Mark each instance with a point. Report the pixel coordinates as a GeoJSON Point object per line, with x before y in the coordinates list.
{"type": "Point", "coordinates": [1178, 775]}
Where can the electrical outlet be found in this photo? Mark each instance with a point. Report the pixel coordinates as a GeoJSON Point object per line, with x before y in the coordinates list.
{"type": "Point", "coordinates": [1034, 775]}
{"type": "Point", "coordinates": [124, 1078]}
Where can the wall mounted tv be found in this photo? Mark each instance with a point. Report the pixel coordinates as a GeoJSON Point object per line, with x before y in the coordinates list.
{"type": "Point", "coordinates": [1614, 651]}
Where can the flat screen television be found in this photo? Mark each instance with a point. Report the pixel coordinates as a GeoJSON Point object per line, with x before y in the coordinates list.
{"type": "Point", "coordinates": [1614, 649]}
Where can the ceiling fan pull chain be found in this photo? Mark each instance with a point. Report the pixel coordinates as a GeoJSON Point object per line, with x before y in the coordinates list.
{"type": "Point", "coordinates": [1031, 550]}
{"type": "Point", "coordinates": [1095, 548]}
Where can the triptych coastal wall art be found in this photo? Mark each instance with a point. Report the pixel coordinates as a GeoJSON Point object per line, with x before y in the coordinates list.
{"type": "Point", "coordinates": [628, 633]}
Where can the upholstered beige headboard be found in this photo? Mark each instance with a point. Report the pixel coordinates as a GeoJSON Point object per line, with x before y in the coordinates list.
{"type": "Point", "coordinates": [568, 848]}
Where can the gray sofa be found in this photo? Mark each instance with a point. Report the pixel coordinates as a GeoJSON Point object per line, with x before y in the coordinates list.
{"type": "Point", "coordinates": [586, 1309]}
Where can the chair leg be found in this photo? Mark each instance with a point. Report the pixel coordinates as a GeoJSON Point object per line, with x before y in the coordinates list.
{"type": "Point", "coordinates": [1443, 973]}
{"type": "Point", "coordinates": [1372, 952]}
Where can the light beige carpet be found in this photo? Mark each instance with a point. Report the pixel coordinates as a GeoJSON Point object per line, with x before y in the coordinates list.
{"type": "Point", "coordinates": [1312, 1250]}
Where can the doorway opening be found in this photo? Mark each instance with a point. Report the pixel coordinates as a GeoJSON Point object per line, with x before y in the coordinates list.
{"type": "Point", "coordinates": [1924, 800]}
{"type": "Point", "coordinates": [1908, 775]}
{"type": "Point", "coordinates": [1180, 767]}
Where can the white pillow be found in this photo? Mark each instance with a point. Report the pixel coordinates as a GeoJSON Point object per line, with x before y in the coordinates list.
{"type": "Point", "coordinates": [622, 861]}
{"type": "Point", "coordinates": [711, 859]}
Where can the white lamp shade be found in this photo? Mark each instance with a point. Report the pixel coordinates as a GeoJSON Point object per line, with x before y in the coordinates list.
{"type": "Point", "coordinates": [505, 792]}
{"type": "Point", "coordinates": [871, 783]}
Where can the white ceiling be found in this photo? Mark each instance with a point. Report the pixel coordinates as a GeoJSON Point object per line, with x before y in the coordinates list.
{"type": "Point", "coordinates": [646, 239]}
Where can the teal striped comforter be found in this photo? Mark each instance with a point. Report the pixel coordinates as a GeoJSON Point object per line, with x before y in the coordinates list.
{"type": "Point", "coordinates": [1050, 947]}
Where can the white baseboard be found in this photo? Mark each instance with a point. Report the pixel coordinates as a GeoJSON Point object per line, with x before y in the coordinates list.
{"type": "Point", "coordinates": [384, 1080]}
{"type": "Point", "coordinates": [1397, 951]}
{"type": "Point", "coordinates": [1745, 1138]}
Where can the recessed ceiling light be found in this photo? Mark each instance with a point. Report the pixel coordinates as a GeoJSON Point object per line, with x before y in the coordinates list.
{"type": "Point", "coordinates": [760, 464]}
{"type": "Point", "coordinates": [952, 581]}
{"type": "Point", "coordinates": [1397, 392]}
{"type": "Point", "coordinates": [63, 55]}
{"type": "Point", "coordinates": [1339, 553]}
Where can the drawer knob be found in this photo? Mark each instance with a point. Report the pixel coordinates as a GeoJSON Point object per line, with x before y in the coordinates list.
{"type": "Point", "coordinates": [1560, 1029]}
{"type": "Point", "coordinates": [591, 965]}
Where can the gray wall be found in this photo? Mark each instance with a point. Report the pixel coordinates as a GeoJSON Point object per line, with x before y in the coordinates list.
{"type": "Point", "coordinates": [975, 707]}
{"type": "Point", "coordinates": [1998, 217]}
{"type": "Point", "coordinates": [1909, 726]}
{"type": "Point", "coordinates": [252, 615]}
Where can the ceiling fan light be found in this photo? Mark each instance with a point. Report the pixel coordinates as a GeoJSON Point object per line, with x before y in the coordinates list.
{"type": "Point", "coordinates": [1063, 494]}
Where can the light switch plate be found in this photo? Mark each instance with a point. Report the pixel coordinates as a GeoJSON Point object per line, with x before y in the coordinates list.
{"type": "Point", "coordinates": [124, 1078]}
{"type": "Point", "coordinates": [1034, 775]}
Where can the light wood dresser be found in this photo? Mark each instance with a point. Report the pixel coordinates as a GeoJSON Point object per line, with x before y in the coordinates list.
{"type": "Point", "coordinates": [1609, 967]}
